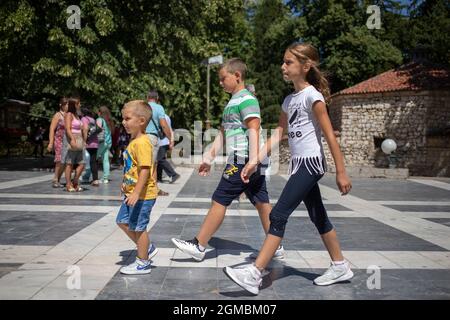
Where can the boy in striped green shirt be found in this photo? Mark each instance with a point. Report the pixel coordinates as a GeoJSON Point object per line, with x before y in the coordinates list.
{"type": "Point", "coordinates": [241, 130]}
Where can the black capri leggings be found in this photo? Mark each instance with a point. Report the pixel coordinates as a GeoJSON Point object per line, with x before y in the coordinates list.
{"type": "Point", "coordinates": [301, 186]}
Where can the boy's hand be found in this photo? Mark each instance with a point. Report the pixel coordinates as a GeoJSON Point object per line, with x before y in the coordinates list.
{"type": "Point", "coordinates": [247, 171]}
{"type": "Point", "coordinates": [343, 182]}
{"type": "Point", "coordinates": [132, 199]}
{"type": "Point", "coordinates": [204, 169]}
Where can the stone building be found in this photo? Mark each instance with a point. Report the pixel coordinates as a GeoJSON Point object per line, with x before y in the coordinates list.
{"type": "Point", "coordinates": [411, 105]}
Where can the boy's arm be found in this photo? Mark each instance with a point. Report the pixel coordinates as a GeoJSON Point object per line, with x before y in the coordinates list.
{"type": "Point", "coordinates": [217, 145]}
{"type": "Point", "coordinates": [209, 156]}
{"type": "Point", "coordinates": [254, 126]}
{"type": "Point", "coordinates": [143, 176]}
{"type": "Point", "coordinates": [250, 167]}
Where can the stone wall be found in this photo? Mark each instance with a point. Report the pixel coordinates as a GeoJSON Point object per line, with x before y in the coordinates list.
{"type": "Point", "coordinates": [405, 116]}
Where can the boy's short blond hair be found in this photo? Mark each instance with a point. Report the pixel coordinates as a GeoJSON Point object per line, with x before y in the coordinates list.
{"type": "Point", "coordinates": [140, 109]}
{"type": "Point", "coordinates": [235, 64]}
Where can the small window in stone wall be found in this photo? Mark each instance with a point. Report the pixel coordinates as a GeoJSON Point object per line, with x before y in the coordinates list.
{"type": "Point", "coordinates": [377, 141]}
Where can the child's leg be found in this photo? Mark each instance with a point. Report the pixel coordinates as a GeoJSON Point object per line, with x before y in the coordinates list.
{"type": "Point", "coordinates": [295, 190]}
{"type": "Point", "coordinates": [318, 215]}
{"type": "Point", "coordinates": [68, 175]}
{"type": "Point", "coordinates": [264, 210]}
{"type": "Point", "coordinates": [142, 244]}
{"type": "Point", "coordinates": [212, 222]}
{"type": "Point", "coordinates": [130, 234]}
{"type": "Point", "coordinates": [78, 172]}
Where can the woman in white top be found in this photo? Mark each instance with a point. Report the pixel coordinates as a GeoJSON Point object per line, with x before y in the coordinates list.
{"type": "Point", "coordinates": [304, 114]}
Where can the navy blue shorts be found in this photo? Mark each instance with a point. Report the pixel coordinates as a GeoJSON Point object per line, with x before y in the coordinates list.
{"type": "Point", "coordinates": [231, 186]}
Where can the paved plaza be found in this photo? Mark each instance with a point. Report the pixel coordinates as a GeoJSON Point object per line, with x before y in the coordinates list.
{"type": "Point", "coordinates": [59, 245]}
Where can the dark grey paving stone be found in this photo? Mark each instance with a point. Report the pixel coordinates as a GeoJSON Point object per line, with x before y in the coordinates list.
{"type": "Point", "coordinates": [188, 289]}
{"type": "Point", "coordinates": [6, 268]}
{"type": "Point", "coordinates": [389, 189]}
{"type": "Point", "coordinates": [416, 208]}
{"type": "Point", "coordinates": [42, 228]}
{"type": "Point", "coordinates": [193, 274]}
{"type": "Point", "coordinates": [246, 234]}
{"type": "Point", "coordinates": [443, 221]}
{"type": "Point", "coordinates": [138, 287]}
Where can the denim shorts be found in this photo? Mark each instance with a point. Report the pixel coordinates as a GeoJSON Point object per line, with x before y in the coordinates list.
{"type": "Point", "coordinates": [231, 186]}
{"type": "Point", "coordinates": [136, 217]}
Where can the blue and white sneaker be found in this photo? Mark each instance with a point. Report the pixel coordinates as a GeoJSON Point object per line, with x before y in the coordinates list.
{"type": "Point", "coordinates": [137, 267]}
{"type": "Point", "coordinates": [152, 251]}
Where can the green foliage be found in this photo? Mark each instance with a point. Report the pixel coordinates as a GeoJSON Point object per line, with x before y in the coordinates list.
{"type": "Point", "coordinates": [124, 48]}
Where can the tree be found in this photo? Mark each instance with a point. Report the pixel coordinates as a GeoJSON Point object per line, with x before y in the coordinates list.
{"type": "Point", "coordinates": [123, 49]}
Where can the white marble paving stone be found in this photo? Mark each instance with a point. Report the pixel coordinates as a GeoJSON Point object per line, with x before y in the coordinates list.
{"type": "Point", "coordinates": [229, 257]}
{"type": "Point", "coordinates": [164, 257]}
{"type": "Point", "coordinates": [440, 257]}
{"type": "Point", "coordinates": [26, 181]}
{"type": "Point", "coordinates": [318, 259]}
{"type": "Point", "coordinates": [65, 294]}
{"type": "Point", "coordinates": [410, 260]}
{"type": "Point", "coordinates": [291, 259]}
{"type": "Point", "coordinates": [58, 208]}
{"type": "Point", "coordinates": [433, 183]}
{"type": "Point", "coordinates": [188, 262]}
{"type": "Point", "coordinates": [364, 259]}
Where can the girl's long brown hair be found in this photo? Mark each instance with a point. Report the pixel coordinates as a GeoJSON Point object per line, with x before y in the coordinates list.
{"type": "Point", "coordinates": [306, 53]}
{"type": "Point", "coordinates": [106, 114]}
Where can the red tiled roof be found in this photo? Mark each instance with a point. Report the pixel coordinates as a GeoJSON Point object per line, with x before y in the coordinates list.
{"type": "Point", "coordinates": [413, 76]}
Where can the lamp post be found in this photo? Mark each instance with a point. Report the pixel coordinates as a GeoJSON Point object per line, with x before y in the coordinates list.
{"type": "Point", "coordinates": [211, 61]}
{"type": "Point", "coordinates": [388, 146]}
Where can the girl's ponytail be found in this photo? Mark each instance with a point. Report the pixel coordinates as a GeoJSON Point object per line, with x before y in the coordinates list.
{"type": "Point", "coordinates": [318, 80]}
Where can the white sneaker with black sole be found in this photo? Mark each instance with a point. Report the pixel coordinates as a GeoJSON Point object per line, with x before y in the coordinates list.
{"type": "Point", "coordinates": [190, 248]}
{"type": "Point", "coordinates": [335, 273]}
{"type": "Point", "coordinates": [248, 277]}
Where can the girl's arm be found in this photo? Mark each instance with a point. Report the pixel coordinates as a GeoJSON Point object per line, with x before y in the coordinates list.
{"type": "Point", "coordinates": [342, 180]}
{"type": "Point", "coordinates": [51, 134]}
{"type": "Point", "coordinates": [68, 124]}
{"type": "Point", "coordinates": [266, 150]}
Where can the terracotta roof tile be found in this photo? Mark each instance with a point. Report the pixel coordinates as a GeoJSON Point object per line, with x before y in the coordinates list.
{"type": "Point", "coordinates": [413, 76]}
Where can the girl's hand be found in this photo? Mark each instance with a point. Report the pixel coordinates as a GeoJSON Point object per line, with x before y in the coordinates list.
{"type": "Point", "coordinates": [343, 182]}
{"type": "Point", "coordinates": [73, 144]}
{"type": "Point", "coordinates": [204, 168]}
{"type": "Point", "coordinates": [50, 148]}
{"type": "Point", "coordinates": [247, 171]}
{"type": "Point", "coordinates": [132, 199]}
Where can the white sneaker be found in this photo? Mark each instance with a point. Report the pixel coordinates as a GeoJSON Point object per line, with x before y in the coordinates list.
{"type": "Point", "coordinates": [189, 247]}
{"type": "Point", "coordinates": [137, 267]}
{"type": "Point", "coordinates": [279, 254]}
{"type": "Point", "coordinates": [248, 277]}
{"type": "Point", "coordinates": [335, 273]}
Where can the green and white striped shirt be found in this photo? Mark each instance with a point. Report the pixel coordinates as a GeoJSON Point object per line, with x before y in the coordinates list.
{"type": "Point", "coordinates": [242, 105]}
